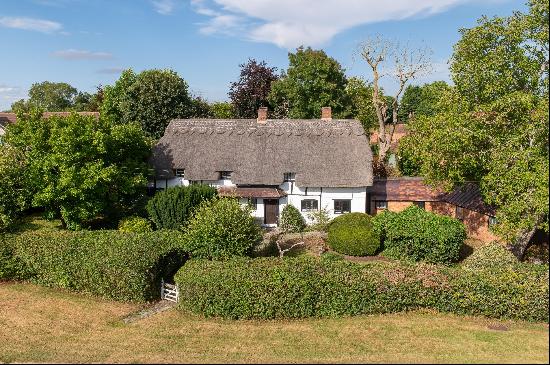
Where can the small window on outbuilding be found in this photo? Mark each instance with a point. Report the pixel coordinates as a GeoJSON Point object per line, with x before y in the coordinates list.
{"type": "Point", "coordinates": [309, 205]}
{"type": "Point", "coordinates": [492, 221]}
{"type": "Point", "coordinates": [459, 213]}
{"type": "Point", "coordinates": [420, 204]}
{"type": "Point", "coordinates": [225, 175]}
{"type": "Point", "coordinates": [381, 204]}
{"type": "Point", "coordinates": [179, 172]}
{"type": "Point", "coordinates": [342, 206]}
{"type": "Point", "coordinates": [289, 176]}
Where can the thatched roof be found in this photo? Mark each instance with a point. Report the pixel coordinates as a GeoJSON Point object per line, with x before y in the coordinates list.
{"type": "Point", "coordinates": [322, 153]}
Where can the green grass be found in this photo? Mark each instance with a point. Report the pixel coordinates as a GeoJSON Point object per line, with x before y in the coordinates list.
{"type": "Point", "coordinates": [48, 325]}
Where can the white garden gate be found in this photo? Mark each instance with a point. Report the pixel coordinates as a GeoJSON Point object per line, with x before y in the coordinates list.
{"type": "Point", "coordinates": [169, 292]}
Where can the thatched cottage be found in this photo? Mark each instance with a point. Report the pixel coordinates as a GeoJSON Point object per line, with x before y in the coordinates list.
{"type": "Point", "coordinates": [269, 163]}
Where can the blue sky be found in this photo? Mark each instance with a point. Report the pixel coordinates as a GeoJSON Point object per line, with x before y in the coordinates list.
{"type": "Point", "coordinates": [88, 42]}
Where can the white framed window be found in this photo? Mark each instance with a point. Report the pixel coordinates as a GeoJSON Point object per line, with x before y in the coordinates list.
{"type": "Point", "coordinates": [289, 176]}
{"type": "Point", "coordinates": [381, 204]}
{"type": "Point", "coordinates": [225, 175]}
{"type": "Point", "coordinates": [342, 206]}
{"type": "Point", "coordinates": [253, 203]}
{"type": "Point", "coordinates": [179, 172]}
{"type": "Point", "coordinates": [309, 205]}
{"type": "Point", "coordinates": [492, 221]}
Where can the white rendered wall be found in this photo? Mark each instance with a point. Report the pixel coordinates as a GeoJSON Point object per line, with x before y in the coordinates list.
{"type": "Point", "coordinates": [295, 195]}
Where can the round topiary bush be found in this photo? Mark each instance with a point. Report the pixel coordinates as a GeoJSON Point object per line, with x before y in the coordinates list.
{"type": "Point", "coordinates": [135, 224]}
{"type": "Point", "coordinates": [491, 256]}
{"type": "Point", "coordinates": [353, 234]}
{"type": "Point", "coordinates": [292, 220]}
{"type": "Point", "coordinates": [221, 228]}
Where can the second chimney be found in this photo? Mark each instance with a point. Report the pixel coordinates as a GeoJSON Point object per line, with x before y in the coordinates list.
{"type": "Point", "coordinates": [326, 113]}
{"type": "Point", "coordinates": [262, 115]}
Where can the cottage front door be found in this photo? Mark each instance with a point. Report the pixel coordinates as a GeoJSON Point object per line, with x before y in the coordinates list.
{"type": "Point", "coordinates": [271, 211]}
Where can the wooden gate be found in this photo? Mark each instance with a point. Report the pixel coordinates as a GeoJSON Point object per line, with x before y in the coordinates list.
{"type": "Point", "coordinates": [169, 292]}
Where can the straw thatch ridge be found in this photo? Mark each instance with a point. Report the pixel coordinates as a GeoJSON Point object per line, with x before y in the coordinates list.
{"type": "Point", "coordinates": [334, 153]}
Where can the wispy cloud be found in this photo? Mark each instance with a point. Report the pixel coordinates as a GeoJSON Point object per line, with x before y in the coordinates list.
{"type": "Point", "coordinates": [38, 25]}
{"type": "Point", "coordinates": [9, 94]}
{"type": "Point", "coordinates": [290, 23]}
{"type": "Point", "coordinates": [164, 7]}
{"type": "Point", "coordinates": [76, 54]}
{"type": "Point", "coordinates": [111, 70]}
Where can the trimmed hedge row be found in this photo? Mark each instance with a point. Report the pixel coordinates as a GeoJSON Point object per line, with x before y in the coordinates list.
{"type": "Point", "coordinates": [418, 235]}
{"type": "Point", "coordinates": [268, 288]}
{"type": "Point", "coordinates": [111, 264]}
{"type": "Point", "coordinates": [353, 234]}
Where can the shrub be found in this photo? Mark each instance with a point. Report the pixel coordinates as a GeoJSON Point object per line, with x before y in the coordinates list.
{"type": "Point", "coordinates": [172, 208]}
{"type": "Point", "coordinates": [112, 264]}
{"type": "Point", "coordinates": [418, 235]}
{"type": "Point", "coordinates": [320, 220]}
{"type": "Point", "coordinates": [11, 267]}
{"type": "Point", "coordinates": [292, 220]}
{"type": "Point", "coordinates": [491, 256]}
{"type": "Point", "coordinates": [221, 228]}
{"type": "Point", "coordinates": [135, 225]}
{"type": "Point", "coordinates": [353, 234]}
{"type": "Point", "coordinates": [268, 288]}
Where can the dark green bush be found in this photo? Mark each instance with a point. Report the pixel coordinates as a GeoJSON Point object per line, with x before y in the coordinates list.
{"type": "Point", "coordinates": [135, 225]}
{"type": "Point", "coordinates": [268, 288]}
{"type": "Point", "coordinates": [221, 228]}
{"type": "Point", "coordinates": [172, 208]}
{"type": "Point", "coordinates": [112, 264]}
{"type": "Point", "coordinates": [418, 235]}
{"type": "Point", "coordinates": [11, 266]}
{"type": "Point", "coordinates": [292, 220]}
{"type": "Point", "coordinates": [491, 256]}
{"type": "Point", "coordinates": [353, 234]}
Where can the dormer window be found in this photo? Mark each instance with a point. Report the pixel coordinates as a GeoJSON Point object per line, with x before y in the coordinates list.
{"type": "Point", "coordinates": [179, 172]}
{"type": "Point", "coordinates": [225, 175]}
{"type": "Point", "coordinates": [289, 176]}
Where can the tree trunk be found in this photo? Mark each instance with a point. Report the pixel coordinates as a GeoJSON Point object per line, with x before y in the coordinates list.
{"type": "Point", "coordinates": [520, 245]}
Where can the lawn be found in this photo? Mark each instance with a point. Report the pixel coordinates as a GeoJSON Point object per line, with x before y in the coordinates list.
{"type": "Point", "coordinates": [50, 325]}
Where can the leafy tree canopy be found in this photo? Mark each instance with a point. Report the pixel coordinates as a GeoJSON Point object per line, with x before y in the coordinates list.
{"type": "Point", "coordinates": [421, 100]}
{"type": "Point", "coordinates": [493, 128]}
{"type": "Point", "coordinates": [313, 80]}
{"type": "Point", "coordinates": [79, 168]}
{"type": "Point", "coordinates": [251, 90]}
{"type": "Point", "coordinates": [151, 98]}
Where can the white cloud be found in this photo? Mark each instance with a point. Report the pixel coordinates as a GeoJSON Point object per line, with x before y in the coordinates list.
{"type": "Point", "coordinates": [9, 94]}
{"type": "Point", "coordinates": [164, 7]}
{"type": "Point", "coordinates": [290, 23]}
{"type": "Point", "coordinates": [39, 25]}
{"type": "Point", "coordinates": [75, 54]}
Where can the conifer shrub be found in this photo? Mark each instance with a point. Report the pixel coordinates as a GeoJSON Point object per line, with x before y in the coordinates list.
{"type": "Point", "coordinates": [172, 208]}
{"type": "Point", "coordinates": [292, 220]}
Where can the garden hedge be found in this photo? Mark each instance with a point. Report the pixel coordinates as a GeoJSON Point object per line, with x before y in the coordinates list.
{"type": "Point", "coordinates": [268, 288]}
{"type": "Point", "coordinates": [112, 264]}
{"type": "Point", "coordinates": [353, 234]}
{"type": "Point", "coordinates": [292, 220]}
{"type": "Point", "coordinates": [418, 235]}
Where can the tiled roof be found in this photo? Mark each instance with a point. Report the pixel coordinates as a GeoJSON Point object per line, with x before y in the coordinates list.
{"type": "Point", "coordinates": [251, 192]}
{"type": "Point", "coordinates": [469, 196]}
{"type": "Point", "coordinates": [404, 189]}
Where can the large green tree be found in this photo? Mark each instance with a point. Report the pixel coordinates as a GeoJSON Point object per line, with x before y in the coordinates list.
{"type": "Point", "coordinates": [360, 104]}
{"type": "Point", "coordinates": [151, 98]}
{"type": "Point", "coordinates": [14, 190]}
{"type": "Point", "coordinates": [313, 80]}
{"type": "Point", "coordinates": [79, 168]}
{"type": "Point", "coordinates": [421, 100]}
{"type": "Point", "coordinates": [493, 128]}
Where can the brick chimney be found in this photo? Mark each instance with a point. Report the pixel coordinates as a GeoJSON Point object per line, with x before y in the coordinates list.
{"type": "Point", "coordinates": [326, 113]}
{"type": "Point", "coordinates": [262, 115]}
